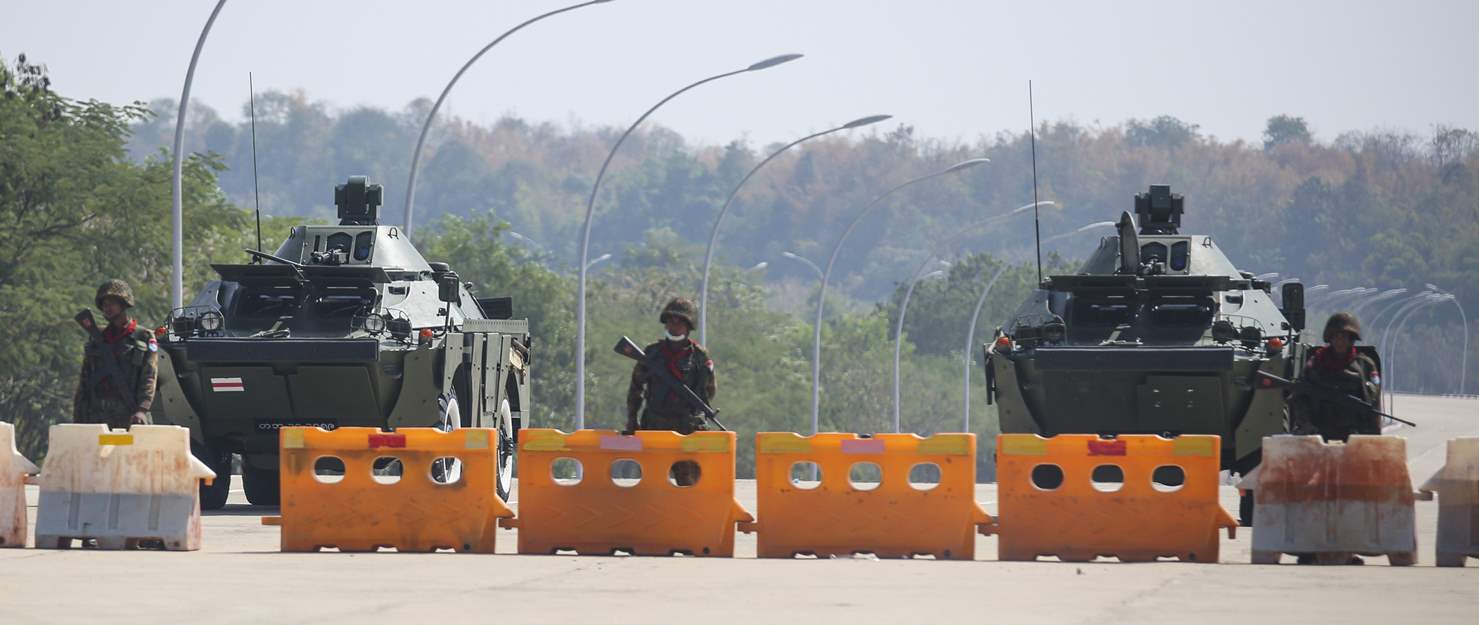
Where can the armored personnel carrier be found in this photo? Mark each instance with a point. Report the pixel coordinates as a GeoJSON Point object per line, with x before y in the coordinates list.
{"type": "Point", "coordinates": [1158, 333]}
{"type": "Point", "coordinates": [344, 325]}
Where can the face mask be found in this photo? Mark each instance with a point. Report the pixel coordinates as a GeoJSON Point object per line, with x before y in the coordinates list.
{"type": "Point", "coordinates": [671, 337]}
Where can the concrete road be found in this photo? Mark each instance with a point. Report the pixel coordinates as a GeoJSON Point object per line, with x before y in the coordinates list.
{"type": "Point", "coordinates": [241, 578]}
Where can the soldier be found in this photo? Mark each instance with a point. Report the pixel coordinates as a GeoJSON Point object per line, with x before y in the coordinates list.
{"type": "Point", "coordinates": [666, 409]}
{"type": "Point", "coordinates": [1340, 367]}
{"type": "Point", "coordinates": [119, 364]}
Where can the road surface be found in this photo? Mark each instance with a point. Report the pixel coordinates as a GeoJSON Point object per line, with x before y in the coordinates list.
{"type": "Point", "coordinates": [241, 578]}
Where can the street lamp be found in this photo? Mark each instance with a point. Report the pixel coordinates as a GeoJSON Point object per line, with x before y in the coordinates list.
{"type": "Point", "coordinates": [1432, 300]}
{"type": "Point", "coordinates": [757, 267]}
{"type": "Point", "coordinates": [1080, 230]}
{"type": "Point", "coordinates": [899, 332]}
{"type": "Point", "coordinates": [1464, 367]}
{"type": "Point", "coordinates": [962, 233]}
{"type": "Point", "coordinates": [597, 260]}
{"type": "Point", "coordinates": [1379, 297]}
{"type": "Point", "coordinates": [426, 126]}
{"type": "Point", "coordinates": [177, 214]}
{"type": "Point", "coordinates": [1408, 306]}
{"type": "Point", "coordinates": [802, 259]}
{"type": "Point", "coordinates": [1266, 276]}
{"type": "Point", "coordinates": [590, 207]}
{"type": "Point", "coordinates": [970, 350]}
{"type": "Point", "coordinates": [703, 290]}
{"type": "Point", "coordinates": [816, 348]}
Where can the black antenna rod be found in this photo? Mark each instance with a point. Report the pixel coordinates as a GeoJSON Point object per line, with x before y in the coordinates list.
{"type": "Point", "coordinates": [256, 195]}
{"type": "Point", "coordinates": [1036, 225]}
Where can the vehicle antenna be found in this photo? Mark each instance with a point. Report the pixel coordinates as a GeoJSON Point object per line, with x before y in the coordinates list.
{"type": "Point", "coordinates": [1036, 225]}
{"type": "Point", "coordinates": [256, 195]}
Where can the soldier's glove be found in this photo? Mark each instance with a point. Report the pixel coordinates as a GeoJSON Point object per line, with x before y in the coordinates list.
{"type": "Point", "coordinates": [139, 418]}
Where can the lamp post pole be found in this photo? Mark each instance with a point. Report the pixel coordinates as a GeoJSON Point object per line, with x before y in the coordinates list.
{"type": "Point", "coordinates": [970, 339]}
{"type": "Point", "coordinates": [177, 209]}
{"type": "Point", "coordinates": [1464, 367]}
{"type": "Point", "coordinates": [426, 126]}
{"type": "Point", "coordinates": [899, 334]}
{"type": "Point", "coordinates": [703, 290]}
{"type": "Point", "coordinates": [816, 350]}
{"type": "Point", "coordinates": [590, 207]}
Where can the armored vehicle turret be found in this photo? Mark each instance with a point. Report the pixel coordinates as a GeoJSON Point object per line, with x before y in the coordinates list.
{"type": "Point", "coordinates": [1158, 333]}
{"type": "Point", "coordinates": [343, 325]}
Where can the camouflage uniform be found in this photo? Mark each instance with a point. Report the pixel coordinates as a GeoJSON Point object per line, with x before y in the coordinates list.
{"type": "Point", "coordinates": [664, 409]}
{"type": "Point", "coordinates": [1354, 374]}
{"type": "Point", "coordinates": [119, 366]}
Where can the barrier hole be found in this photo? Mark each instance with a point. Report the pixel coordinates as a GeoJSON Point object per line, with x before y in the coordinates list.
{"type": "Point", "coordinates": [1107, 478]}
{"type": "Point", "coordinates": [806, 475]}
{"type": "Point", "coordinates": [626, 473]}
{"type": "Point", "coordinates": [684, 473]}
{"type": "Point", "coordinates": [1047, 476]}
{"type": "Point", "coordinates": [446, 470]}
{"type": "Point", "coordinates": [865, 476]}
{"type": "Point", "coordinates": [328, 470]}
{"type": "Point", "coordinates": [1168, 478]}
{"type": "Point", "coordinates": [386, 470]}
{"type": "Point", "coordinates": [566, 471]}
{"type": "Point", "coordinates": [924, 476]}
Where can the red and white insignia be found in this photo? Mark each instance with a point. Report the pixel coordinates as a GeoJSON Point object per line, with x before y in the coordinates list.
{"type": "Point", "coordinates": [227, 385]}
{"type": "Point", "coordinates": [710, 364]}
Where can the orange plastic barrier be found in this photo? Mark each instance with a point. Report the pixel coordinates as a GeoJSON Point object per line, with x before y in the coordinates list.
{"type": "Point", "coordinates": [892, 517]}
{"type": "Point", "coordinates": [340, 489]}
{"type": "Point", "coordinates": [646, 515]}
{"type": "Point", "coordinates": [1050, 505]}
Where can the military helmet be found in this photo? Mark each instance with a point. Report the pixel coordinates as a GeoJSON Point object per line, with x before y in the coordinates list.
{"type": "Point", "coordinates": [680, 308]}
{"type": "Point", "coordinates": [1343, 322]}
{"type": "Point", "coordinates": [115, 288]}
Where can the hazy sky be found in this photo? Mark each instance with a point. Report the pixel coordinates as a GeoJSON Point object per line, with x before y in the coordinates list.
{"type": "Point", "coordinates": [953, 69]}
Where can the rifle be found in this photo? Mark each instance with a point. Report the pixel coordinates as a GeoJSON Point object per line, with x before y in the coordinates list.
{"type": "Point", "coordinates": [661, 374]}
{"type": "Point", "coordinates": [1305, 387]}
{"type": "Point", "coordinates": [110, 363]}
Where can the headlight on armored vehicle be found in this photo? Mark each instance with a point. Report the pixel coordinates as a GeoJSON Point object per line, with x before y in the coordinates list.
{"type": "Point", "coordinates": [211, 321]}
{"type": "Point", "coordinates": [374, 323]}
{"type": "Point", "coordinates": [183, 326]}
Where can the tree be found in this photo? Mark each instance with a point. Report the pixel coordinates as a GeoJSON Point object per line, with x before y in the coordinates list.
{"type": "Point", "coordinates": [1164, 131]}
{"type": "Point", "coordinates": [1285, 129]}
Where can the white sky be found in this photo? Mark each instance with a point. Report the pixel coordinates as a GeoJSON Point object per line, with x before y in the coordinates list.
{"type": "Point", "coordinates": [953, 69]}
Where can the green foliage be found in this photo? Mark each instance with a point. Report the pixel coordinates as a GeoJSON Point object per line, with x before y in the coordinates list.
{"type": "Point", "coordinates": [1284, 129]}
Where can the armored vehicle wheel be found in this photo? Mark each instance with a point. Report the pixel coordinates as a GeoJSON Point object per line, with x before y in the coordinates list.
{"type": "Point", "coordinates": [506, 450]}
{"type": "Point", "coordinates": [262, 485]}
{"type": "Point", "coordinates": [213, 497]}
{"type": "Point", "coordinates": [446, 471]}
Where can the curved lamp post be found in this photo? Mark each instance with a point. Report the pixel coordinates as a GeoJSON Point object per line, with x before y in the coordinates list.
{"type": "Point", "coordinates": [177, 214]}
{"type": "Point", "coordinates": [816, 347]}
{"type": "Point", "coordinates": [1464, 367]}
{"type": "Point", "coordinates": [1380, 312]}
{"type": "Point", "coordinates": [899, 332]}
{"type": "Point", "coordinates": [703, 289]}
{"type": "Point", "coordinates": [970, 338]}
{"type": "Point", "coordinates": [1379, 297]}
{"type": "Point", "coordinates": [590, 207]}
{"type": "Point", "coordinates": [918, 272]}
{"type": "Point", "coordinates": [1408, 306]}
{"type": "Point", "coordinates": [426, 126]}
{"type": "Point", "coordinates": [1433, 300]}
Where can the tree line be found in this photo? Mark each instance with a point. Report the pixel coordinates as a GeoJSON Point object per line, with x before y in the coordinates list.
{"type": "Point", "coordinates": [84, 195]}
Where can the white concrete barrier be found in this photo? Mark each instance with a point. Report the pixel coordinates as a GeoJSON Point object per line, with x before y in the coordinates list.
{"type": "Point", "coordinates": [13, 471]}
{"type": "Point", "coordinates": [1457, 488]}
{"type": "Point", "coordinates": [120, 488]}
{"type": "Point", "coordinates": [1333, 500]}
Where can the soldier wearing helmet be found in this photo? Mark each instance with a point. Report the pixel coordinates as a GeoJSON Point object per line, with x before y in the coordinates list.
{"type": "Point", "coordinates": [119, 364]}
{"type": "Point", "coordinates": [661, 408]}
{"type": "Point", "coordinates": [1338, 365]}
